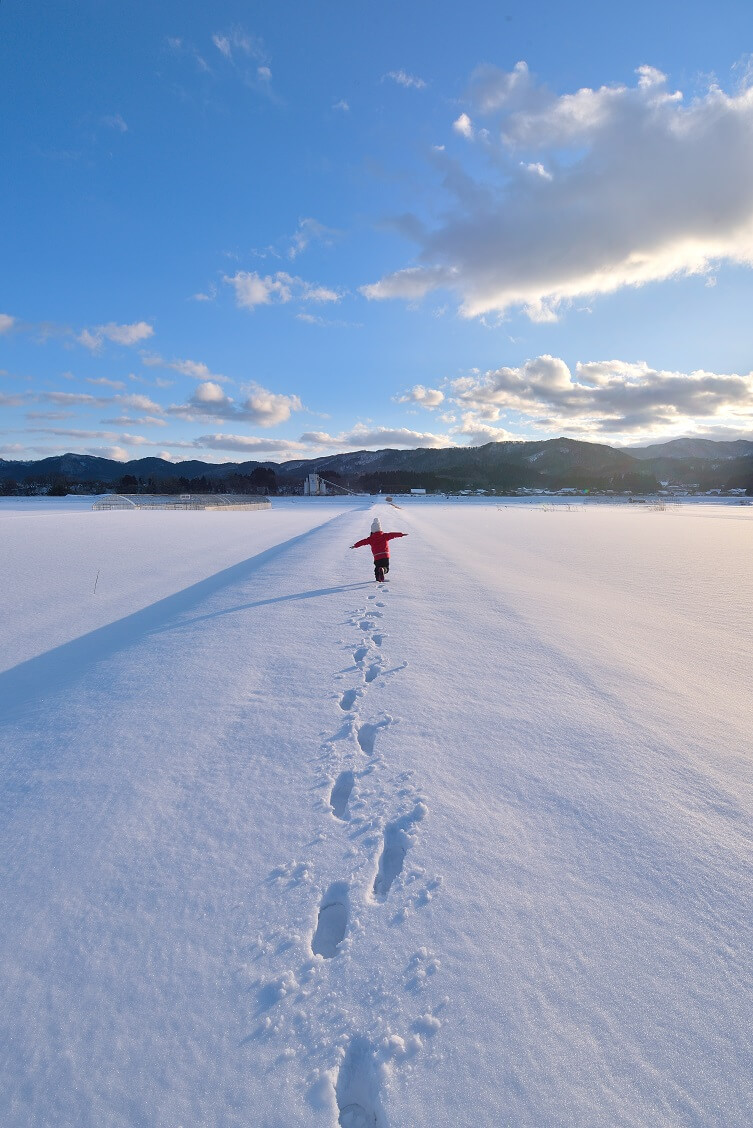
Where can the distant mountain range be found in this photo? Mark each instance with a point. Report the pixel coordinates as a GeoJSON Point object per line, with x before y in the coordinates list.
{"type": "Point", "coordinates": [552, 463]}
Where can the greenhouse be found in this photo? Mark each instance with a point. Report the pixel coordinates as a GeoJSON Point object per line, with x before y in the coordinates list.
{"type": "Point", "coordinates": [182, 501]}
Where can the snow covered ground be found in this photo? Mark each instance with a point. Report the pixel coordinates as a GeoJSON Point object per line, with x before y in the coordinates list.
{"type": "Point", "coordinates": [282, 847]}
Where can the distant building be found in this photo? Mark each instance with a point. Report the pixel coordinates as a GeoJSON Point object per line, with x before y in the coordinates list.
{"type": "Point", "coordinates": [418, 492]}
{"type": "Point", "coordinates": [314, 486]}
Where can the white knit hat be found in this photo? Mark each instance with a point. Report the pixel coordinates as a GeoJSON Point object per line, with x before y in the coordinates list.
{"type": "Point", "coordinates": [376, 525]}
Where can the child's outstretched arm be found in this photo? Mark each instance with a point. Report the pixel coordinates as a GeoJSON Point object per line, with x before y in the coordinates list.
{"type": "Point", "coordinates": [360, 544]}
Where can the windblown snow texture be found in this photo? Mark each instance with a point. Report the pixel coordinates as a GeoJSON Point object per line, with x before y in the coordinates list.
{"type": "Point", "coordinates": [471, 848]}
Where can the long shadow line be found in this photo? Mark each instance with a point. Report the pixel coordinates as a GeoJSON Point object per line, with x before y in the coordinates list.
{"type": "Point", "coordinates": [65, 664]}
{"type": "Point", "coordinates": [263, 603]}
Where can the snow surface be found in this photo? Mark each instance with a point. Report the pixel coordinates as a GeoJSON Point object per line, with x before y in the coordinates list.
{"type": "Point", "coordinates": [284, 847]}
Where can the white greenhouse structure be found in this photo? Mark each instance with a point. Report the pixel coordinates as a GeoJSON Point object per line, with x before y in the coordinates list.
{"type": "Point", "coordinates": [182, 501]}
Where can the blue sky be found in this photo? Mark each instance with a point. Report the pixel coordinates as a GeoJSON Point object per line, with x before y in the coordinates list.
{"type": "Point", "coordinates": [271, 231]}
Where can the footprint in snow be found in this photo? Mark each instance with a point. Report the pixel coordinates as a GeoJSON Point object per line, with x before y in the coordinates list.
{"type": "Point", "coordinates": [367, 734]}
{"type": "Point", "coordinates": [340, 794]}
{"type": "Point", "coordinates": [397, 840]}
{"type": "Point", "coordinates": [348, 700]}
{"type": "Point", "coordinates": [373, 671]}
{"type": "Point", "coordinates": [378, 639]}
{"type": "Point", "coordinates": [360, 654]}
{"type": "Point", "coordinates": [357, 1088]}
{"type": "Point", "coordinates": [332, 921]}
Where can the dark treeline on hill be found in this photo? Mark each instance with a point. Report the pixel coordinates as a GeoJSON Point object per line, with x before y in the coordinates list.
{"type": "Point", "coordinates": [504, 467]}
{"type": "Point", "coordinates": [261, 480]}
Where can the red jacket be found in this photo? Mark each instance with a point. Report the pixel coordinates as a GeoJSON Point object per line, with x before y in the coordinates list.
{"type": "Point", "coordinates": [379, 543]}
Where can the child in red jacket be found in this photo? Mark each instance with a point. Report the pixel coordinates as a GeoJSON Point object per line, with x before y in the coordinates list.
{"type": "Point", "coordinates": [379, 543]}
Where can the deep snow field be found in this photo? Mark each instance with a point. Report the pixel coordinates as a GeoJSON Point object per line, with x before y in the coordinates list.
{"type": "Point", "coordinates": [285, 848]}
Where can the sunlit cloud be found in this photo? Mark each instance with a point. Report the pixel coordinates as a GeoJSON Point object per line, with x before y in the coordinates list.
{"type": "Point", "coordinates": [262, 407]}
{"type": "Point", "coordinates": [587, 193]}
{"type": "Point", "coordinates": [426, 397]}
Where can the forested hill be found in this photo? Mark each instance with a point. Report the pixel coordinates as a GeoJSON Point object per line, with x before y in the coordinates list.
{"type": "Point", "coordinates": [554, 464]}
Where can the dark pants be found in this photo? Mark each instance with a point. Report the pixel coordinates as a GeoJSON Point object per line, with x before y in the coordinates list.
{"type": "Point", "coordinates": [381, 567]}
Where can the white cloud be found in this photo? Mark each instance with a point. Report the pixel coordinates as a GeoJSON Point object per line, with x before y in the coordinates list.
{"type": "Point", "coordinates": [253, 289]}
{"type": "Point", "coordinates": [193, 368]}
{"type": "Point", "coordinates": [477, 433]}
{"type": "Point", "coordinates": [603, 189]}
{"type": "Point", "coordinates": [269, 408]}
{"type": "Point", "coordinates": [328, 322]}
{"type": "Point", "coordinates": [6, 322]}
{"type": "Point", "coordinates": [427, 397]}
{"type": "Point", "coordinates": [104, 382]}
{"type": "Point", "coordinates": [76, 433]}
{"type": "Point", "coordinates": [116, 453]}
{"type": "Point", "coordinates": [80, 398]}
{"type": "Point", "coordinates": [237, 42]}
{"type": "Point", "coordinates": [140, 403]}
{"type": "Point", "coordinates": [341, 105]}
{"type": "Point", "coordinates": [402, 78]}
{"type": "Point", "coordinates": [210, 296]}
{"type": "Point", "coordinates": [463, 125]}
{"type": "Point", "coordinates": [120, 334]}
{"type": "Point", "coordinates": [246, 443]}
{"type": "Point", "coordinates": [265, 408]}
{"type": "Point", "coordinates": [142, 421]}
{"type": "Point", "coordinates": [362, 437]}
{"type": "Point", "coordinates": [412, 283]}
{"type": "Point", "coordinates": [50, 415]}
{"type": "Point", "coordinates": [624, 400]}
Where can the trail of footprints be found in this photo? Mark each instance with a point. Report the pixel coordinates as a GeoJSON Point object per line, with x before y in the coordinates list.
{"type": "Point", "coordinates": [354, 751]}
{"type": "Point", "coordinates": [357, 1088]}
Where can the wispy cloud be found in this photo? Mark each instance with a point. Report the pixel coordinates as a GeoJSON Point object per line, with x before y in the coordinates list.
{"type": "Point", "coordinates": [402, 78]}
{"type": "Point", "coordinates": [115, 121]}
{"type": "Point", "coordinates": [118, 385]}
{"type": "Point", "coordinates": [179, 46]}
{"type": "Point", "coordinates": [253, 289]}
{"type": "Point", "coordinates": [248, 444]}
{"type": "Point", "coordinates": [310, 231]}
{"type": "Point", "coordinates": [132, 334]}
{"type": "Point", "coordinates": [193, 368]}
{"type": "Point", "coordinates": [247, 56]}
{"type": "Point", "coordinates": [362, 436]}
